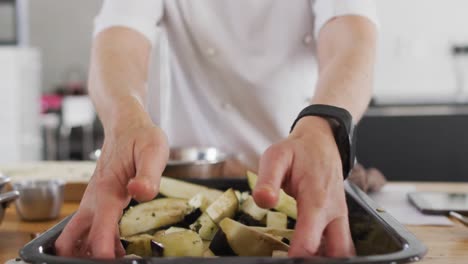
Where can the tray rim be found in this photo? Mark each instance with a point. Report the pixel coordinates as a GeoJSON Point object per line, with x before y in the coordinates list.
{"type": "Point", "coordinates": [413, 249]}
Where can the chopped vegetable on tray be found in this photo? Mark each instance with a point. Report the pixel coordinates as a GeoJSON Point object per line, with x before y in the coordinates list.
{"type": "Point", "coordinates": [195, 221]}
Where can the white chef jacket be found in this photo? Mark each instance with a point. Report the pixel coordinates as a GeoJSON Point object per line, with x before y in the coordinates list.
{"type": "Point", "coordinates": [232, 74]}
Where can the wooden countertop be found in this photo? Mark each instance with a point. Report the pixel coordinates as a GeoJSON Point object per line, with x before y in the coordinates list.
{"type": "Point", "coordinates": [14, 233]}
{"type": "Point", "coordinates": [445, 244]}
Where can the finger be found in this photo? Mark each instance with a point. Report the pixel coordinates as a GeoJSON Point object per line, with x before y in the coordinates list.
{"type": "Point", "coordinates": [338, 239]}
{"type": "Point", "coordinates": [104, 231]}
{"type": "Point", "coordinates": [150, 162]}
{"type": "Point", "coordinates": [274, 165]}
{"type": "Point", "coordinates": [70, 241]}
{"type": "Point", "coordinates": [310, 225]}
{"type": "Point", "coordinates": [119, 249]}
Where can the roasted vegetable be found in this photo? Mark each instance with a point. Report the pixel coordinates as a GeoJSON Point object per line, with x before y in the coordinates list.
{"type": "Point", "coordinates": [206, 249]}
{"type": "Point", "coordinates": [220, 245]}
{"type": "Point", "coordinates": [200, 201]}
{"type": "Point", "coordinates": [173, 188]}
{"type": "Point", "coordinates": [208, 253]}
{"type": "Point", "coordinates": [241, 196]}
{"type": "Point", "coordinates": [275, 232]}
{"type": "Point", "coordinates": [244, 241]}
{"type": "Point", "coordinates": [205, 227]}
{"type": "Point", "coordinates": [248, 220]}
{"type": "Point", "coordinates": [152, 215]}
{"type": "Point", "coordinates": [286, 204]}
{"type": "Point", "coordinates": [221, 223]}
{"type": "Point", "coordinates": [251, 208]}
{"type": "Point", "coordinates": [180, 243]}
{"type": "Point", "coordinates": [279, 254]}
{"type": "Point", "coordinates": [276, 220]}
{"type": "Point", "coordinates": [143, 246]}
{"type": "Point", "coordinates": [225, 206]}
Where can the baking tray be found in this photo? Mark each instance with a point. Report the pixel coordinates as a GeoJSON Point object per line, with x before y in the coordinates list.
{"type": "Point", "coordinates": [378, 238]}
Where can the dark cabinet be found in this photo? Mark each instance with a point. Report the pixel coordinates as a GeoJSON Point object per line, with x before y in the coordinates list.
{"type": "Point", "coordinates": [431, 145]}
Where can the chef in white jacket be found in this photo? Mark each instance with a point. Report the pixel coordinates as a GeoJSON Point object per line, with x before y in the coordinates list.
{"type": "Point", "coordinates": [234, 75]}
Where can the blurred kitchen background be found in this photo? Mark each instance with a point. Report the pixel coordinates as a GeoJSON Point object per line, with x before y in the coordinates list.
{"type": "Point", "coordinates": [416, 128]}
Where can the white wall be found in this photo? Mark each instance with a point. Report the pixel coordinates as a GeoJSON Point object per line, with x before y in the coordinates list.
{"type": "Point", "coordinates": [414, 56]}
{"type": "Point", "coordinates": [20, 138]}
{"type": "Point", "coordinates": [62, 29]}
{"type": "Point", "coordinates": [414, 59]}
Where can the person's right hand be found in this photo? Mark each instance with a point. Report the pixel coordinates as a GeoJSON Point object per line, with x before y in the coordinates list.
{"type": "Point", "coordinates": [133, 158]}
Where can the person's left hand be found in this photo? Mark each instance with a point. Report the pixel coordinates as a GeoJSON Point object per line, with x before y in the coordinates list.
{"type": "Point", "coordinates": [307, 165]}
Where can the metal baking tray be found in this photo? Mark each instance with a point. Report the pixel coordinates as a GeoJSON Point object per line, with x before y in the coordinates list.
{"type": "Point", "coordinates": [378, 238]}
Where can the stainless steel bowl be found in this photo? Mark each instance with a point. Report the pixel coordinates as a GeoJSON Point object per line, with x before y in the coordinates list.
{"type": "Point", "coordinates": [195, 162]}
{"type": "Point", "coordinates": [39, 199]}
{"type": "Point", "coordinates": [190, 162]}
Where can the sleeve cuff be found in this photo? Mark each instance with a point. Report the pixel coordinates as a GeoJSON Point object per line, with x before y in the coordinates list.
{"type": "Point", "coordinates": [141, 16]}
{"type": "Point", "coordinates": [144, 27]}
{"type": "Point", "coordinates": [325, 10]}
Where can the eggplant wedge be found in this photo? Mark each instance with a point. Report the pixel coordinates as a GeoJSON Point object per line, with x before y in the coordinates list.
{"type": "Point", "coordinates": [276, 220]}
{"type": "Point", "coordinates": [246, 219]}
{"type": "Point", "coordinates": [180, 243]}
{"type": "Point", "coordinates": [225, 206]}
{"type": "Point", "coordinates": [242, 196]}
{"type": "Point", "coordinates": [275, 232]}
{"type": "Point", "coordinates": [286, 204]}
{"type": "Point", "coordinates": [143, 246]}
{"type": "Point", "coordinates": [208, 254]}
{"type": "Point", "coordinates": [245, 241]}
{"type": "Point", "coordinates": [204, 199]}
{"type": "Point", "coordinates": [251, 208]}
{"type": "Point", "coordinates": [174, 188]}
{"type": "Point", "coordinates": [206, 249]}
{"type": "Point", "coordinates": [279, 254]}
{"type": "Point", "coordinates": [205, 227]}
{"type": "Point", "coordinates": [152, 215]}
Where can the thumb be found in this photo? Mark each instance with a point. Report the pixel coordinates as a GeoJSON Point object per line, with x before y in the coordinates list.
{"type": "Point", "coordinates": [150, 162]}
{"type": "Point", "coordinates": [274, 165]}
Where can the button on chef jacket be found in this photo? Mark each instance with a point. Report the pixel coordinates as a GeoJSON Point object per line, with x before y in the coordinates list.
{"type": "Point", "coordinates": [232, 74]}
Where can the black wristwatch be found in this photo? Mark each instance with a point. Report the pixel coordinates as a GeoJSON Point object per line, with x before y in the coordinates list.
{"type": "Point", "coordinates": [344, 131]}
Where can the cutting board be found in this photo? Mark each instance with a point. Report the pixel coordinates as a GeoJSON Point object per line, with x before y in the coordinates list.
{"type": "Point", "coordinates": [76, 174]}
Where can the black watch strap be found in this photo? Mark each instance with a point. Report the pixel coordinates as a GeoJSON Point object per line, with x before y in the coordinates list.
{"type": "Point", "coordinates": [344, 131]}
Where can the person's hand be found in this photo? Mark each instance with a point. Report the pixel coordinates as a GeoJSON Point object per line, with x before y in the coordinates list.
{"type": "Point", "coordinates": [132, 160]}
{"type": "Point", "coordinates": [308, 166]}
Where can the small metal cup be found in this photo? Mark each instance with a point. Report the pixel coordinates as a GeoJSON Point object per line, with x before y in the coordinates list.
{"type": "Point", "coordinates": [4, 180]}
{"type": "Point", "coordinates": [39, 200]}
{"type": "Point", "coordinates": [5, 199]}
